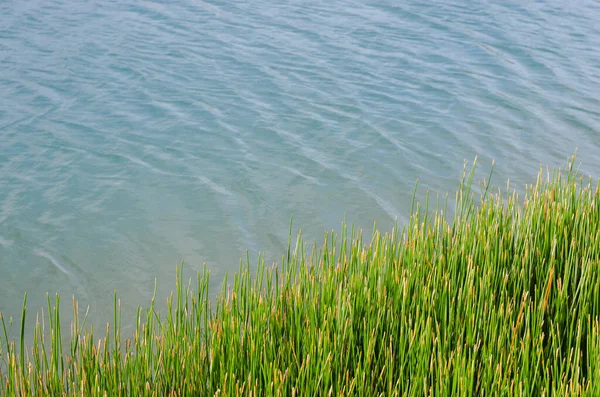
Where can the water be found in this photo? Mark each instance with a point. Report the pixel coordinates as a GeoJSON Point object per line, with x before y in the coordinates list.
{"type": "Point", "coordinates": [136, 134]}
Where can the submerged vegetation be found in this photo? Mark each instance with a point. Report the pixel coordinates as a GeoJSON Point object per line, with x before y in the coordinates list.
{"type": "Point", "coordinates": [502, 299]}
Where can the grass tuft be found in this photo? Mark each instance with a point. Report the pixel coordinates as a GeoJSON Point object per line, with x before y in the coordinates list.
{"type": "Point", "coordinates": [504, 299]}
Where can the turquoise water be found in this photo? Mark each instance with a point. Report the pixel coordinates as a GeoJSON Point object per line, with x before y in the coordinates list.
{"type": "Point", "coordinates": [136, 134]}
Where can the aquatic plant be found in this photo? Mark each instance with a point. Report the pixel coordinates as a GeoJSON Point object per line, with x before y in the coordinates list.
{"type": "Point", "coordinates": [504, 299]}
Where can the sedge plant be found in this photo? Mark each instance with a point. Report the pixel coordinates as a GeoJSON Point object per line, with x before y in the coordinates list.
{"type": "Point", "coordinates": [502, 299]}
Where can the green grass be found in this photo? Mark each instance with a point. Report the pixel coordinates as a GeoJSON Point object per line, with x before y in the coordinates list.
{"type": "Point", "coordinates": [504, 299]}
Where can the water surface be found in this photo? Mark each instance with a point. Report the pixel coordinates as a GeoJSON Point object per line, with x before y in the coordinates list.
{"type": "Point", "coordinates": [136, 134]}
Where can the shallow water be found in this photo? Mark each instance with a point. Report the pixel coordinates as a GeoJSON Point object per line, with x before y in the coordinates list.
{"type": "Point", "coordinates": [136, 134]}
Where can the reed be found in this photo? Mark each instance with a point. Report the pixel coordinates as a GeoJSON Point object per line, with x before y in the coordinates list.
{"type": "Point", "coordinates": [503, 299]}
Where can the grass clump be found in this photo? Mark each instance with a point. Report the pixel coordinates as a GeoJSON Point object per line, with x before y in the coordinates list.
{"type": "Point", "coordinates": [504, 299]}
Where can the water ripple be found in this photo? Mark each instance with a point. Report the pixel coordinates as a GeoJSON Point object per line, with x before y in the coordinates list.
{"type": "Point", "coordinates": [136, 134]}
